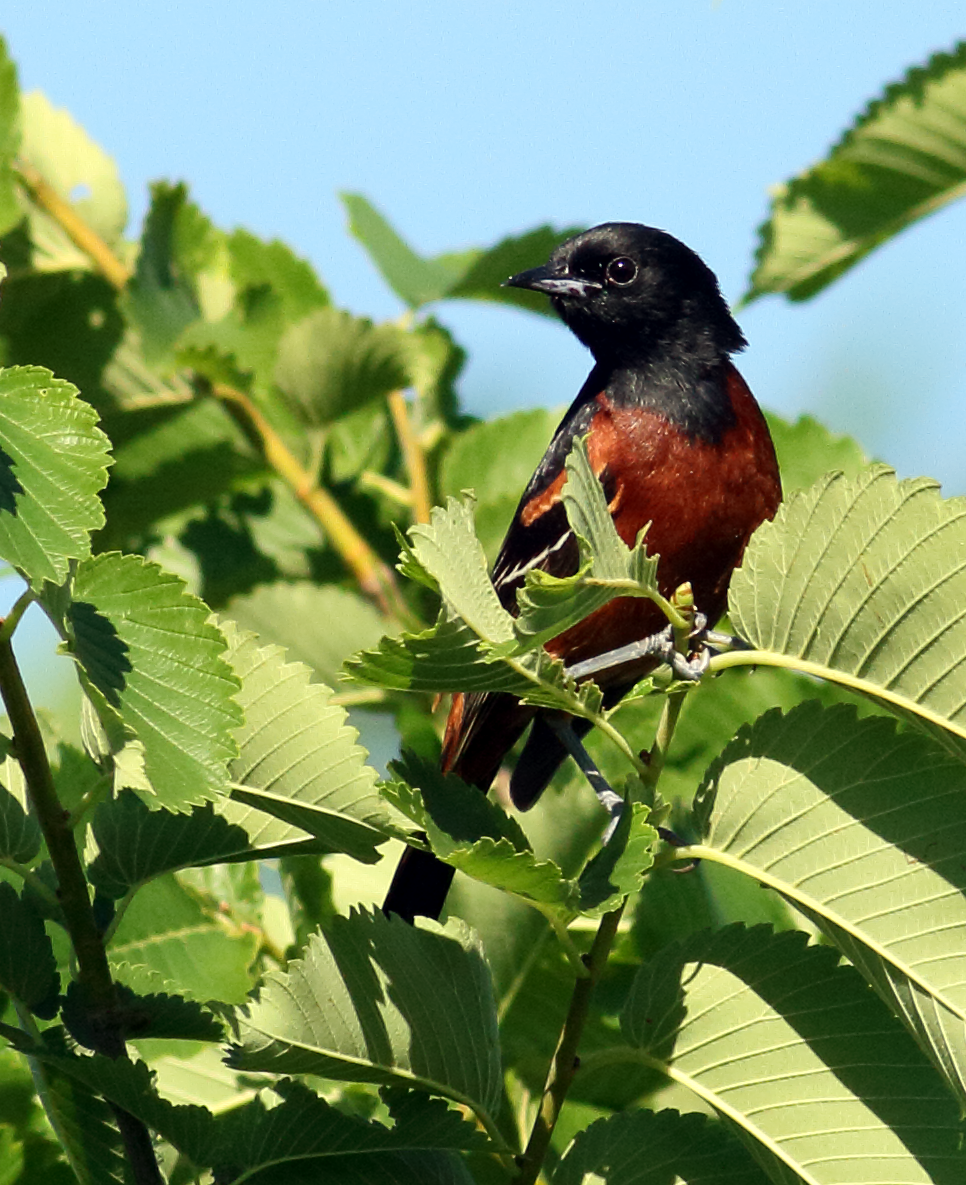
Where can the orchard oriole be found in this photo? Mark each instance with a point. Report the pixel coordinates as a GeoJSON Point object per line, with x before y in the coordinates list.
{"type": "Point", "coordinates": [677, 441]}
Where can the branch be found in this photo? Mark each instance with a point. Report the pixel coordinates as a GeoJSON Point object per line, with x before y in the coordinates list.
{"type": "Point", "coordinates": [565, 1061]}
{"type": "Point", "coordinates": [80, 234]}
{"type": "Point", "coordinates": [375, 579]}
{"type": "Point", "coordinates": [413, 455]}
{"type": "Point", "coordinates": [94, 973]}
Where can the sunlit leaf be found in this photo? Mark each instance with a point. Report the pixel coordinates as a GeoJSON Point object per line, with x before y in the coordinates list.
{"type": "Point", "coordinates": [436, 1027]}
{"type": "Point", "coordinates": [82, 174]}
{"type": "Point", "coordinates": [476, 274]}
{"type": "Point", "coordinates": [299, 775]}
{"type": "Point", "coordinates": [168, 941]}
{"type": "Point", "coordinates": [807, 450]}
{"type": "Point", "coordinates": [864, 830]}
{"type": "Point", "coordinates": [10, 212]}
{"type": "Point", "coordinates": [903, 158]}
{"type": "Point", "coordinates": [53, 462]}
{"type": "Point", "coordinates": [150, 650]}
{"type": "Point", "coordinates": [320, 626]}
{"type": "Point", "coordinates": [863, 581]}
{"type": "Point", "coordinates": [330, 363]}
{"type": "Point", "coordinates": [797, 1056]}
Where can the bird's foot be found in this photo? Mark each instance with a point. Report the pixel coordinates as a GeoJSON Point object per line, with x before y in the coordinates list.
{"type": "Point", "coordinates": [702, 645]}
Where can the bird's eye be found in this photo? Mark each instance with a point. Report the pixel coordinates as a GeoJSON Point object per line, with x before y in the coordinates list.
{"type": "Point", "coordinates": [621, 270]}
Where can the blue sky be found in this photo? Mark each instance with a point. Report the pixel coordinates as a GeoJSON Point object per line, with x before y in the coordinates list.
{"type": "Point", "coordinates": [464, 123]}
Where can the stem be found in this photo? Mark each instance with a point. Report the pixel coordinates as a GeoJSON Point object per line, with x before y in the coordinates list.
{"type": "Point", "coordinates": [657, 756]}
{"type": "Point", "coordinates": [76, 229]}
{"type": "Point", "coordinates": [375, 579]}
{"type": "Point", "coordinates": [94, 973]}
{"type": "Point", "coordinates": [564, 1064]}
{"type": "Point", "coordinates": [413, 455]}
{"type": "Point", "coordinates": [29, 877]}
{"type": "Point", "coordinates": [20, 607]}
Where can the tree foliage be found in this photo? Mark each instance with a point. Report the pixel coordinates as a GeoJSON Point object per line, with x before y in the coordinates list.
{"type": "Point", "coordinates": [207, 471]}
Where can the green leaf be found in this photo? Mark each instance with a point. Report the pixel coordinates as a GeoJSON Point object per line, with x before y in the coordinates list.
{"type": "Point", "coordinates": [53, 462]}
{"type": "Point", "coordinates": [150, 650]}
{"type": "Point", "coordinates": [82, 174]}
{"type": "Point", "coordinates": [166, 938]}
{"type": "Point", "coordinates": [68, 322]}
{"type": "Point", "coordinates": [801, 1061]}
{"type": "Point", "coordinates": [85, 1127]}
{"type": "Point", "coordinates": [167, 460]}
{"type": "Point", "coordinates": [299, 773]}
{"type": "Point", "coordinates": [28, 969]}
{"type": "Point", "coordinates": [257, 264]}
{"type": "Point", "coordinates": [435, 1027]}
{"type": "Point", "coordinates": [182, 267]}
{"type": "Point", "coordinates": [475, 274]}
{"type": "Point", "coordinates": [435, 361]}
{"type": "Point", "coordinates": [618, 868]}
{"type": "Point", "coordinates": [470, 832]}
{"type": "Point", "coordinates": [318, 625]}
{"type": "Point", "coordinates": [135, 843]}
{"type": "Point", "coordinates": [10, 213]}
{"type": "Point", "coordinates": [19, 832]}
{"type": "Point", "coordinates": [903, 158]}
{"type": "Point", "coordinates": [413, 278]}
{"type": "Point", "coordinates": [863, 829]}
{"type": "Point", "coordinates": [608, 567]}
{"type": "Point", "coordinates": [653, 1148]}
{"type": "Point", "coordinates": [11, 1156]}
{"type": "Point", "coordinates": [445, 553]}
{"type": "Point", "coordinates": [861, 581]}
{"type": "Point", "coordinates": [448, 550]}
{"type": "Point", "coordinates": [141, 1017]}
{"type": "Point", "coordinates": [807, 450]}
{"type": "Point", "coordinates": [331, 363]}
{"type": "Point", "coordinates": [300, 1133]}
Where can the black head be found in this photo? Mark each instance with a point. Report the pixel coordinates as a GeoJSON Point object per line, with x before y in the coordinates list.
{"type": "Point", "coordinates": [628, 290]}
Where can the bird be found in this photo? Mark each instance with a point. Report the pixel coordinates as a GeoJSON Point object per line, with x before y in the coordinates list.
{"type": "Point", "coordinates": [679, 445]}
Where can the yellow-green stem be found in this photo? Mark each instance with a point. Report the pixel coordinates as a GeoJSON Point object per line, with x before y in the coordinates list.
{"type": "Point", "coordinates": [413, 455]}
{"type": "Point", "coordinates": [374, 578]}
{"type": "Point", "coordinates": [84, 237]}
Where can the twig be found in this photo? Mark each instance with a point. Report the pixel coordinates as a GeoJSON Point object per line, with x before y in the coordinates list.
{"type": "Point", "coordinates": [413, 455]}
{"type": "Point", "coordinates": [375, 579]}
{"type": "Point", "coordinates": [80, 234]}
{"type": "Point", "coordinates": [564, 1064]}
{"type": "Point", "coordinates": [94, 972]}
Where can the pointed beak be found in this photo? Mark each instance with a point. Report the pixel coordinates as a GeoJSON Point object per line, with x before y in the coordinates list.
{"type": "Point", "coordinates": [542, 279]}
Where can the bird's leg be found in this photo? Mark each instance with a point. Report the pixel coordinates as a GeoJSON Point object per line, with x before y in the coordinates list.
{"type": "Point", "coordinates": [702, 636]}
{"type": "Point", "coordinates": [609, 799]}
{"type": "Point", "coordinates": [702, 642]}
